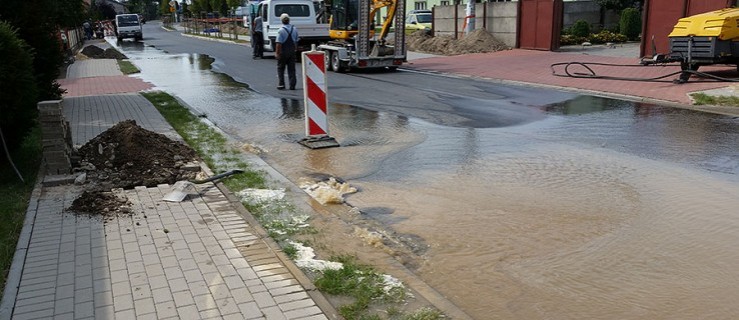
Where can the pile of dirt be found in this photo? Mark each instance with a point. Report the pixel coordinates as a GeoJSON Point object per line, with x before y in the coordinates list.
{"type": "Point", "coordinates": [101, 203]}
{"type": "Point", "coordinates": [478, 41]}
{"type": "Point", "coordinates": [127, 155]}
{"type": "Point", "coordinates": [95, 52]}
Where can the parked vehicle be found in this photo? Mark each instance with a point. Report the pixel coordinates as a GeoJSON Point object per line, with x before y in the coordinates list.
{"type": "Point", "coordinates": [418, 20]}
{"type": "Point", "coordinates": [356, 44]}
{"type": "Point", "coordinates": [128, 26]}
{"type": "Point", "coordinates": [303, 15]}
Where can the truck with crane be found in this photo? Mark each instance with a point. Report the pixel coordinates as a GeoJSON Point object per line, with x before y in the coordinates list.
{"type": "Point", "coordinates": [343, 29]}
{"type": "Point", "coordinates": [355, 43]}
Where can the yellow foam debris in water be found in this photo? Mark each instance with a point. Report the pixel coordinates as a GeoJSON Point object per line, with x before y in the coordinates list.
{"type": "Point", "coordinates": [330, 191]}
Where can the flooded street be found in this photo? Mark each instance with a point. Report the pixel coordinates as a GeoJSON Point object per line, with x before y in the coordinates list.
{"type": "Point", "coordinates": [588, 208]}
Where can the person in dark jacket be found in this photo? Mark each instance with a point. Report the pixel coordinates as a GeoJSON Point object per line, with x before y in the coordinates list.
{"type": "Point", "coordinates": [286, 52]}
{"type": "Point", "coordinates": [257, 38]}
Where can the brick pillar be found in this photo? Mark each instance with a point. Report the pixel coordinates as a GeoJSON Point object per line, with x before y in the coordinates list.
{"type": "Point", "coordinates": [56, 138]}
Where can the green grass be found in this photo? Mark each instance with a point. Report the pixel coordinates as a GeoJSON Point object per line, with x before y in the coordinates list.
{"type": "Point", "coordinates": [127, 67]}
{"type": "Point", "coordinates": [704, 99]}
{"type": "Point", "coordinates": [14, 195]}
{"type": "Point", "coordinates": [207, 142]}
{"type": "Point", "coordinates": [360, 282]}
{"type": "Point", "coordinates": [281, 220]}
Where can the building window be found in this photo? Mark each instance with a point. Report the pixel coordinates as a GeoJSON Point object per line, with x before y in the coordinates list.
{"type": "Point", "coordinates": [444, 3]}
{"type": "Point", "coordinates": [420, 5]}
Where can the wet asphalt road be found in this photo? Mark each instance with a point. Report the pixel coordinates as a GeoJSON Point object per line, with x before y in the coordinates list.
{"type": "Point", "coordinates": [436, 99]}
{"type": "Point", "coordinates": [523, 203]}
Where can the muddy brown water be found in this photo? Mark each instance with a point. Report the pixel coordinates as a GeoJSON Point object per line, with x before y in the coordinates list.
{"type": "Point", "coordinates": [598, 209]}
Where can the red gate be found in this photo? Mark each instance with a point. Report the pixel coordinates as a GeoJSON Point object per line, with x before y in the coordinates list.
{"type": "Point", "coordinates": [539, 24]}
{"type": "Point", "coordinates": [660, 16]}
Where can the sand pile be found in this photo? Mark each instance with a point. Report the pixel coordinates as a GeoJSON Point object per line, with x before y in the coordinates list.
{"type": "Point", "coordinates": [478, 41]}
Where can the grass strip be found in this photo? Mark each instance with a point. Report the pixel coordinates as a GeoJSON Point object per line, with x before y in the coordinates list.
{"type": "Point", "coordinates": [360, 282]}
{"type": "Point", "coordinates": [702, 99]}
{"type": "Point", "coordinates": [15, 195]}
{"type": "Point", "coordinates": [207, 142]}
{"type": "Point", "coordinates": [127, 67]}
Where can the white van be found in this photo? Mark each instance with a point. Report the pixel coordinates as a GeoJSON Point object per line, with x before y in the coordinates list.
{"type": "Point", "coordinates": [303, 15]}
{"type": "Point", "coordinates": [128, 26]}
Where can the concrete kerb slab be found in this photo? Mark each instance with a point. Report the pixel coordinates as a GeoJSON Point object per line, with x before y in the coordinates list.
{"type": "Point", "coordinates": [318, 297]}
{"type": "Point", "coordinates": [247, 39]}
{"type": "Point", "coordinates": [427, 292]}
{"type": "Point", "coordinates": [12, 283]}
{"type": "Point", "coordinates": [729, 111]}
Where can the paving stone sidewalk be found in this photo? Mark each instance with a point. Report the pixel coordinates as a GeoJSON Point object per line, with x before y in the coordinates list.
{"type": "Point", "coordinates": [203, 258]}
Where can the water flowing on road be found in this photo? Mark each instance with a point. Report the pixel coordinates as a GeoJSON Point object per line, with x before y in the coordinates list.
{"type": "Point", "coordinates": [590, 208]}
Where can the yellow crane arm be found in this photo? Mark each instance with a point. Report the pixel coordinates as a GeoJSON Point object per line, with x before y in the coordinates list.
{"type": "Point", "coordinates": [391, 6]}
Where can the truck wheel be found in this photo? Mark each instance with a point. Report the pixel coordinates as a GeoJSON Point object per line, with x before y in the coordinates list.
{"type": "Point", "coordinates": [327, 60]}
{"type": "Point", "coordinates": [336, 64]}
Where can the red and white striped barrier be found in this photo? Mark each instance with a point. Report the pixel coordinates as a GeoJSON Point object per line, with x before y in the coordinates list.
{"type": "Point", "coordinates": [315, 96]}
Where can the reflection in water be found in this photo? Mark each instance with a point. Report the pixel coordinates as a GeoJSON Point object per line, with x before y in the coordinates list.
{"type": "Point", "coordinates": [291, 109]}
{"type": "Point", "coordinates": [588, 209]}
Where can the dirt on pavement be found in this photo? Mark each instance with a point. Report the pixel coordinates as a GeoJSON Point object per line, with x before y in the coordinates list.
{"type": "Point", "coordinates": [126, 156]}
{"type": "Point", "coordinates": [478, 41]}
{"type": "Point", "coordinates": [95, 52]}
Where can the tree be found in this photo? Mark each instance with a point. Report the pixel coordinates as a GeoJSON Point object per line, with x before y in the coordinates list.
{"type": "Point", "coordinates": [38, 23]}
{"type": "Point", "coordinates": [619, 5]}
{"type": "Point", "coordinates": [17, 87]}
{"type": "Point", "coordinates": [164, 7]}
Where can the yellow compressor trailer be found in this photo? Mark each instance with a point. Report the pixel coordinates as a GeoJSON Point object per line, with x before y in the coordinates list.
{"type": "Point", "coordinates": [705, 39]}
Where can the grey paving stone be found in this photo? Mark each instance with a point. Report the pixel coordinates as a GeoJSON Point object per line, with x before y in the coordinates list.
{"type": "Point", "coordinates": [291, 297]}
{"type": "Point", "coordinates": [40, 314]}
{"type": "Point", "coordinates": [264, 299]}
{"type": "Point", "coordinates": [122, 302]}
{"type": "Point", "coordinates": [166, 309]}
{"type": "Point", "coordinates": [144, 306]}
{"type": "Point", "coordinates": [183, 298]}
{"type": "Point", "coordinates": [188, 312]}
{"type": "Point", "coordinates": [273, 313]}
{"type": "Point", "coordinates": [228, 306]}
{"type": "Point", "coordinates": [303, 312]}
{"type": "Point", "coordinates": [83, 309]}
{"type": "Point", "coordinates": [161, 295]}
{"type": "Point", "coordinates": [299, 304]}
{"type": "Point", "coordinates": [250, 310]}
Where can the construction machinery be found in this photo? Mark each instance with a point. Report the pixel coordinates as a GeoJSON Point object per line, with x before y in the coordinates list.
{"type": "Point", "coordinates": [354, 41]}
{"type": "Point", "coordinates": [705, 39]}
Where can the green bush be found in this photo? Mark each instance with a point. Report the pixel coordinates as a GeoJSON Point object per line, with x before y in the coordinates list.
{"type": "Point", "coordinates": [630, 23]}
{"type": "Point", "coordinates": [581, 28]}
{"type": "Point", "coordinates": [18, 90]}
{"type": "Point", "coordinates": [606, 36]}
{"type": "Point", "coordinates": [568, 39]}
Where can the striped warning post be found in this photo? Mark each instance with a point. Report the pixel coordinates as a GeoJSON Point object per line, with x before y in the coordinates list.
{"type": "Point", "coordinates": [316, 101]}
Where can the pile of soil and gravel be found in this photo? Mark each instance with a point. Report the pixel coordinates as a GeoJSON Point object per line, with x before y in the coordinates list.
{"type": "Point", "coordinates": [101, 203]}
{"type": "Point", "coordinates": [126, 156]}
{"type": "Point", "coordinates": [478, 41]}
{"type": "Point", "coordinates": [95, 52]}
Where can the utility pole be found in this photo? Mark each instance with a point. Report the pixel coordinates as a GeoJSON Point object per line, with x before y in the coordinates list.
{"type": "Point", "coordinates": [470, 17]}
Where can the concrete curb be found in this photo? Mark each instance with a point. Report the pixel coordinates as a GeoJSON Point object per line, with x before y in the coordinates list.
{"type": "Point", "coordinates": [248, 39]}
{"type": "Point", "coordinates": [318, 297]}
{"type": "Point", "coordinates": [19, 258]}
{"type": "Point", "coordinates": [710, 109]}
{"type": "Point", "coordinates": [427, 292]}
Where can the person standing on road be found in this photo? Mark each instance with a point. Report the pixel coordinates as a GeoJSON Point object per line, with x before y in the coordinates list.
{"type": "Point", "coordinates": [285, 52]}
{"type": "Point", "coordinates": [257, 38]}
{"type": "Point", "coordinates": [88, 30]}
